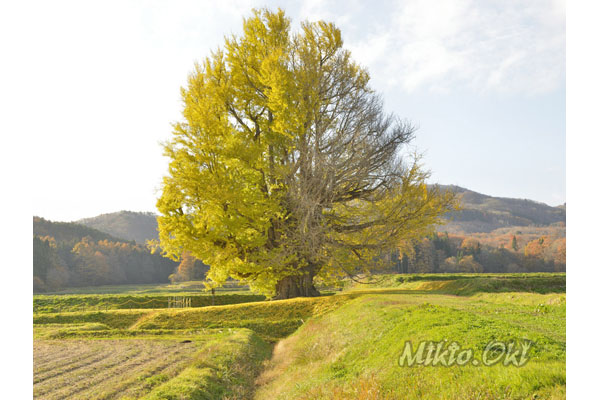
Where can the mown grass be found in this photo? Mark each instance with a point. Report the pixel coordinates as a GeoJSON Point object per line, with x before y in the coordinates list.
{"type": "Point", "coordinates": [214, 364]}
{"type": "Point", "coordinates": [106, 369]}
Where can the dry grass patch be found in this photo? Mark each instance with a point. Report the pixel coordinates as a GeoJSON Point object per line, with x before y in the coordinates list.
{"type": "Point", "coordinates": [94, 369]}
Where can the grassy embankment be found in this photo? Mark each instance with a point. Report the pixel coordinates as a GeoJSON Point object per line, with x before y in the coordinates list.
{"type": "Point", "coordinates": [353, 352]}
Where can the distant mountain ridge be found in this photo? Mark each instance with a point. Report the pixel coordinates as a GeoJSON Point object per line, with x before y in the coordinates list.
{"type": "Point", "coordinates": [483, 213]}
{"type": "Point", "coordinates": [130, 225]}
{"type": "Point", "coordinates": [480, 213]}
{"type": "Point", "coordinates": [69, 232]}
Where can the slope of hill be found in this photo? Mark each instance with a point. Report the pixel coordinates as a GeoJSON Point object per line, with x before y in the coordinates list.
{"type": "Point", "coordinates": [138, 226]}
{"type": "Point", "coordinates": [69, 232]}
{"type": "Point", "coordinates": [482, 213]}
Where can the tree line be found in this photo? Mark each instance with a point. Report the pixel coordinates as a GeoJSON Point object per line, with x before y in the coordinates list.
{"type": "Point", "coordinates": [447, 253]}
{"type": "Point", "coordinates": [100, 259]}
{"type": "Point", "coordinates": [89, 262]}
{"type": "Point", "coordinates": [189, 269]}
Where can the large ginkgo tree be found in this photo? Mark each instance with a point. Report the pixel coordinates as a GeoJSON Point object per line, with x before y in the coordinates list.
{"type": "Point", "coordinates": [285, 166]}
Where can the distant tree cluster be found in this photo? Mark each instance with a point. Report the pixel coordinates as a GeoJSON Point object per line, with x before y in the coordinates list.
{"type": "Point", "coordinates": [189, 269]}
{"type": "Point", "coordinates": [89, 262]}
{"type": "Point", "coordinates": [441, 252]}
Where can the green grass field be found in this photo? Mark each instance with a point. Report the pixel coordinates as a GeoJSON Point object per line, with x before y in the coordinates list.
{"type": "Point", "coordinates": [191, 287]}
{"type": "Point", "coordinates": [343, 346]}
{"type": "Point", "coordinates": [104, 302]}
{"type": "Point", "coordinates": [103, 298]}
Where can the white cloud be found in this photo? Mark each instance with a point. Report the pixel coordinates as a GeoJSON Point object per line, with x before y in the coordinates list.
{"type": "Point", "coordinates": [502, 46]}
{"type": "Point", "coordinates": [326, 10]}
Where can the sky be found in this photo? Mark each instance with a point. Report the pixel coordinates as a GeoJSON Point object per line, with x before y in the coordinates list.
{"type": "Point", "coordinates": [484, 81]}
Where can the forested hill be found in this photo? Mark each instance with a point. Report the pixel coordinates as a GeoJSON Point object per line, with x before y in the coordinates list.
{"type": "Point", "coordinates": [69, 231]}
{"type": "Point", "coordinates": [138, 226]}
{"type": "Point", "coordinates": [67, 254]}
{"type": "Point", "coordinates": [482, 213]}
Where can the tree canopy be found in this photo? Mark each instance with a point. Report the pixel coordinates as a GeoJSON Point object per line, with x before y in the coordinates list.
{"type": "Point", "coordinates": [285, 166]}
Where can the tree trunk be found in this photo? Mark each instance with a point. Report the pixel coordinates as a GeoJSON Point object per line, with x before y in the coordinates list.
{"type": "Point", "coordinates": [296, 286]}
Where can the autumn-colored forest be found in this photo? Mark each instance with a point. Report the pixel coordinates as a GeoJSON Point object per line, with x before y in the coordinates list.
{"type": "Point", "coordinates": [70, 255]}
{"type": "Point", "coordinates": [515, 249]}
